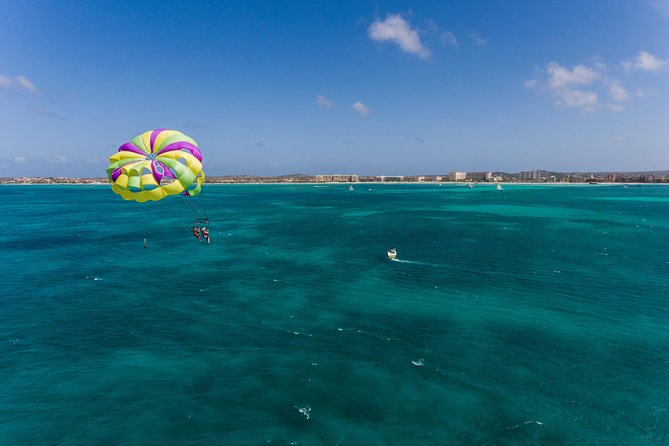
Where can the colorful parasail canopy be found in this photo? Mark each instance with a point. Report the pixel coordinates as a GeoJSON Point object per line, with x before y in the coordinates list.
{"type": "Point", "coordinates": [156, 164]}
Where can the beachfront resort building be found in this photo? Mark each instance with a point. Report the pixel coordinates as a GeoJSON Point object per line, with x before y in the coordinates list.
{"type": "Point", "coordinates": [337, 178]}
{"type": "Point", "coordinates": [470, 176]}
{"type": "Point", "coordinates": [531, 175]}
{"type": "Point", "coordinates": [479, 176]}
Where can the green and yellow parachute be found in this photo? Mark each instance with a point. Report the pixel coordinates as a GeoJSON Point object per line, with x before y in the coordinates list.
{"type": "Point", "coordinates": [156, 164]}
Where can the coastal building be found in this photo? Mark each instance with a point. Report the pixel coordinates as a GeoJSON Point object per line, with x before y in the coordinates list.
{"type": "Point", "coordinates": [457, 176]}
{"type": "Point", "coordinates": [531, 175]}
{"type": "Point", "coordinates": [479, 176]}
{"type": "Point", "coordinates": [392, 178]}
{"type": "Point", "coordinates": [337, 178]}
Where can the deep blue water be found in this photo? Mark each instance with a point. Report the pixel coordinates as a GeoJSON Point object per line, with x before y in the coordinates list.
{"type": "Point", "coordinates": [532, 315]}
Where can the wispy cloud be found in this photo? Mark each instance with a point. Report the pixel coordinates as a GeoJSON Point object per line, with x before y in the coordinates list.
{"type": "Point", "coordinates": [568, 85]}
{"type": "Point", "coordinates": [361, 108]}
{"type": "Point", "coordinates": [25, 83]}
{"type": "Point", "coordinates": [477, 39]}
{"type": "Point", "coordinates": [574, 87]}
{"type": "Point", "coordinates": [415, 139]}
{"type": "Point", "coordinates": [43, 112]}
{"type": "Point", "coordinates": [323, 102]}
{"type": "Point", "coordinates": [645, 61]}
{"type": "Point", "coordinates": [5, 82]}
{"type": "Point", "coordinates": [619, 138]}
{"type": "Point", "coordinates": [18, 82]}
{"type": "Point", "coordinates": [584, 86]}
{"type": "Point", "coordinates": [20, 159]}
{"type": "Point", "coordinates": [560, 77]}
{"type": "Point", "coordinates": [617, 92]}
{"type": "Point", "coordinates": [397, 30]}
{"type": "Point", "coordinates": [448, 39]}
{"type": "Point", "coordinates": [661, 7]}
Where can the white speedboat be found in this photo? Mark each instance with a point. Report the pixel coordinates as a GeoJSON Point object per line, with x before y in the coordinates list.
{"type": "Point", "coordinates": [392, 253]}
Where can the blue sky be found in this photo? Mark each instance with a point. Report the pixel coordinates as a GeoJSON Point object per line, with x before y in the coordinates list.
{"type": "Point", "coordinates": [367, 87]}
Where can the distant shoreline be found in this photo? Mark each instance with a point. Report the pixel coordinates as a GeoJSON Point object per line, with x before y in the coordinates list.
{"type": "Point", "coordinates": [353, 183]}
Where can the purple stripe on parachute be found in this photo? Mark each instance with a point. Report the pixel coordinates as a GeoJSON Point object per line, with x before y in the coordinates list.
{"type": "Point", "coordinates": [183, 145]}
{"type": "Point", "coordinates": [130, 147]}
{"type": "Point", "coordinates": [160, 170]}
{"type": "Point", "coordinates": [119, 170]}
{"type": "Point", "coordinates": [116, 173]}
{"type": "Point", "coordinates": [154, 135]}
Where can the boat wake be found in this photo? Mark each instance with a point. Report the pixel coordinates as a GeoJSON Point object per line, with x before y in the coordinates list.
{"type": "Point", "coordinates": [413, 262]}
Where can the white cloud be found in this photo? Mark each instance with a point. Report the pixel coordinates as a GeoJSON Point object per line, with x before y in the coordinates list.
{"type": "Point", "coordinates": [645, 62]}
{"type": "Point", "coordinates": [18, 82]}
{"type": "Point", "coordinates": [531, 84]}
{"type": "Point", "coordinates": [617, 92]}
{"type": "Point", "coordinates": [478, 40]}
{"type": "Point", "coordinates": [448, 39]}
{"type": "Point", "coordinates": [323, 102]}
{"type": "Point", "coordinates": [361, 108]}
{"type": "Point", "coordinates": [587, 100]}
{"type": "Point", "coordinates": [59, 159]}
{"type": "Point", "coordinates": [619, 138]}
{"type": "Point", "coordinates": [25, 83]}
{"type": "Point", "coordinates": [20, 159]}
{"type": "Point", "coordinates": [562, 82]}
{"type": "Point", "coordinates": [5, 82]}
{"type": "Point", "coordinates": [583, 86]}
{"type": "Point", "coordinates": [566, 85]}
{"type": "Point", "coordinates": [561, 77]}
{"type": "Point", "coordinates": [397, 30]}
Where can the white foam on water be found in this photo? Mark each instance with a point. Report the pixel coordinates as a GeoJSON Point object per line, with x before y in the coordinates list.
{"type": "Point", "coordinates": [414, 262]}
{"type": "Point", "coordinates": [419, 363]}
{"type": "Point", "coordinates": [306, 411]}
{"type": "Point", "coordinates": [94, 278]}
{"type": "Point", "coordinates": [516, 426]}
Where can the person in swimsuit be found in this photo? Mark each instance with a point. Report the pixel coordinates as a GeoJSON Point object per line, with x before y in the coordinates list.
{"type": "Point", "coordinates": [196, 232]}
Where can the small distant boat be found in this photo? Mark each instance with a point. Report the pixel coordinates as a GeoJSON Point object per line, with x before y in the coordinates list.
{"type": "Point", "coordinates": [470, 185]}
{"type": "Point", "coordinates": [350, 187]}
{"type": "Point", "coordinates": [392, 253]}
{"type": "Point", "coordinates": [499, 186]}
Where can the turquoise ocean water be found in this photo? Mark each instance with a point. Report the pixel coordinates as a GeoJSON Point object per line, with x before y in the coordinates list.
{"type": "Point", "coordinates": [531, 315]}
